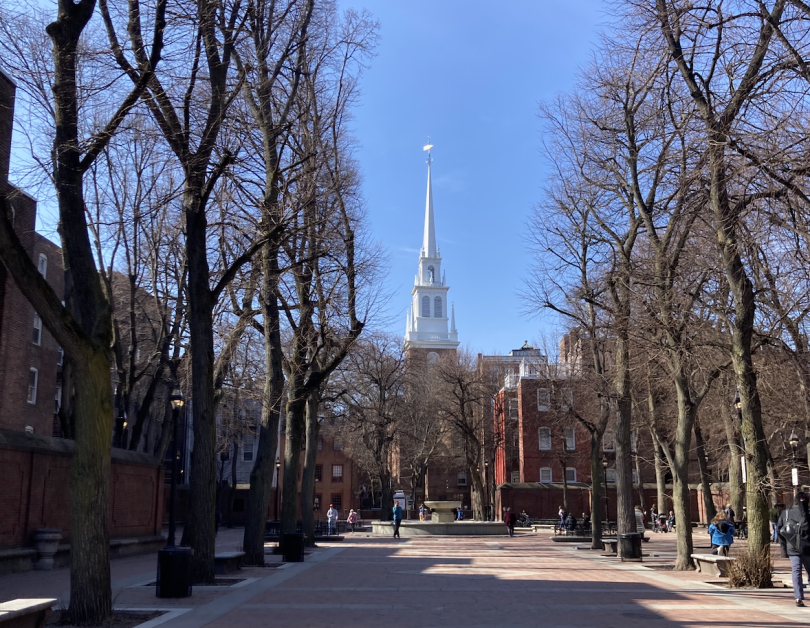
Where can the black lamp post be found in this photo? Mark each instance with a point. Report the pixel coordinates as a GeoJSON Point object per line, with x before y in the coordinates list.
{"type": "Point", "coordinates": [486, 485]}
{"type": "Point", "coordinates": [174, 563]}
{"type": "Point", "coordinates": [604, 469]}
{"type": "Point", "coordinates": [278, 469]}
{"type": "Point", "coordinates": [794, 442]}
{"type": "Point", "coordinates": [120, 424]}
{"type": "Point", "coordinates": [176, 400]}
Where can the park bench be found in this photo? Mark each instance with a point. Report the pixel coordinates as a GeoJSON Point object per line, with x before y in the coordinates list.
{"type": "Point", "coordinates": [24, 613]}
{"type": "Point", "coordinates": [712, 565]}
{"type": "Point", "coordinates": [227, 562]}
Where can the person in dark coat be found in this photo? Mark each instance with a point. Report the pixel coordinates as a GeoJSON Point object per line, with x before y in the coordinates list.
{"type": "Point", "coordinates": [510, 519]}
{"type": "Point", "coordinates": [794, 530]}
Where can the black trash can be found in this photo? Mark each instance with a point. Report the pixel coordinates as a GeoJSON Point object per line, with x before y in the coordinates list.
{"type": "Point", "coordinates": [174, 572]}
{"type": "Point", "coordinates": [630, 544]}
{"type": "Point", "coordinates": [292, 548]}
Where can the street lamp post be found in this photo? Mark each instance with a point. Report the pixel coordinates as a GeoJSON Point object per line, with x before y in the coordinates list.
{"type": "Point", "coordinates": [174, 563]}
{"type": "Point", "coordinates": [176, 400]}
{"type": "Point", "coordinates": [278, 469]}
{"type": "Point", "coordinates": [794, 474]}
{"type": "Point", "coordinates": [486, 486]}
{"type": "Point", "coordinates": [604, 470]}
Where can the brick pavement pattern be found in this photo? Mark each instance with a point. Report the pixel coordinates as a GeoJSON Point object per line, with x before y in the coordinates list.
{"type": "Point", "coordinates": [445, 581]}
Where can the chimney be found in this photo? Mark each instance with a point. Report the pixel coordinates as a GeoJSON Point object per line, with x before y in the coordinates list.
{"type": "Point", "coordinates": [7, 91]}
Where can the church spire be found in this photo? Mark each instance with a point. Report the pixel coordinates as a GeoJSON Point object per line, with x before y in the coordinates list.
{"type": "Point", "coordinates": [429, 241]}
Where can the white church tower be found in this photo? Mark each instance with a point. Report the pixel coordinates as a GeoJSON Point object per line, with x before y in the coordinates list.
{"type": "Point", "coordinates": [431, 324]}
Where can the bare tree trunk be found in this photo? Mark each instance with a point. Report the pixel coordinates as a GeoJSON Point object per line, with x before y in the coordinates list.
{"type": "Point", "coordinates": [660, 481]}
{"type": "Point", "coordinates": [597, 510]}
{"type": "Point", "coordinates": [642, 501]}
{"type": "Point", "coordinates": [308, 478]}
{"type": "Point", "coordinates": [735, 453]}
{"type": "Point", "coordinates": [706, 489]}
{"type": "Point", "coordinates": [680, 479]}
{"type": "Point", "coordinates": [625, 516]}
{"type": "Point", "coordinates": [261, 476]}
{"type": "Point", "coordinates": [232, 492]}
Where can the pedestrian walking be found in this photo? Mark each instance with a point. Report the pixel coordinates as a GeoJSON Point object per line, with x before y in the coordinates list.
{"type": "Point", "coordinates": [510, 519]}
{"type": "Point", "coordinates": [351, 519]}
{"type": "Point", "coordinates": [722, 533]}
{"type": "Point", "coordinates": [773, 515]}
{"type": "Point", "coordinates": [422, 512]}
{"type": "Point", "coordinates": [671, 521]}
{"type": "Point", "coordinates": [794, 530]}
{"type": "Point", "coordinates": [397, 518]}
{"type": "Point", "coordinates": [561, 515]}
{"type": "Point", "coordinates": [730, 514]}
{"type": "Point", "coordinates": [331, 518]}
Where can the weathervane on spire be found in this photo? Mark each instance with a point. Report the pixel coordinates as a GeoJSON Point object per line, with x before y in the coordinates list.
{"type": "Point", "coordinates": [427, 147]}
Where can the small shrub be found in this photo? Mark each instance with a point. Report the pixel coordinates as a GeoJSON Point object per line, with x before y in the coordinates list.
{"type": "Point", "coordinates": [751, 570]}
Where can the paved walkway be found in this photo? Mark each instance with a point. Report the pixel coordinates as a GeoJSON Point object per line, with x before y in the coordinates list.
{"type": "Point", "coordinates": [469, 582]}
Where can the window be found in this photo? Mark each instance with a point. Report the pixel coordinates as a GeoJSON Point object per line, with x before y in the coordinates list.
{"type": "Point", "coordinates": [610, 474]}
{"type": "Point", "coordinates": [42, 265]}
{"type": "Point", "coordinates": [57, 400]}
{"type": "Point", "coordinates": [515, 477]}
{"type": "Point", "coordinates": [33, 377]}
{"type": "Point", "coordinates": [431, 274]}
{"type": "Point", "coordinates": [337, 501]}
{"type": "Point", "coordinates": [433, 358]}
{"type": "Point", "coordinates": [635, 476]}
{"type": "Point", "coordinates": [570, 474]}
{"type": "Point", "coordinates": [320, 444]}
{"type": "Point", "coordinates": [61, 357]}
{"type": "Point", "coordinates": [239, 504]}
{"type": "Point", "coordinates": [462, 479]}
{"type": "Point", "coordinates": [545, 475]}
{"type": "Point", "coordinates": [543, 399]}
{"type": "Point", "coordinates": [337, 472]}
{"type": "Point", "coordinates": [247, 452]}
{"type": "Point", "coordinates": [437, 307]}
{"type": "Point", "coordinates": [570, 439]}
{"type": "Point", "coordinates": [426, 307]}
{"type": "Point", "coordinates": [36, 335]}
{"type": "Point", "coordinates": [608, 441]}
{"type": "Point", "coordinates": [544, 437]}
{"type": "Point", "coordinates": [318, 472]}
{"type": "Point", "coordinates": [317, 505]}
{"type": "Point", "coordinates": [566, 399]}
{"type": "Point", "coordinates": [513, 409]}
{"type": "Point", "coordinates": [337, 445]}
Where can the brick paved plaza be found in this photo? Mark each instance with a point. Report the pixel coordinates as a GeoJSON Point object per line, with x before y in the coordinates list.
{"type": "Point", "coordinates": [480, 581]}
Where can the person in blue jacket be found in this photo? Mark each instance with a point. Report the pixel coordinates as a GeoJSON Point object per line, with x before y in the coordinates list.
{"type": "Point", "coordinates": [722, 531]}
{"type": "Point", "coordinates": [397, 518]}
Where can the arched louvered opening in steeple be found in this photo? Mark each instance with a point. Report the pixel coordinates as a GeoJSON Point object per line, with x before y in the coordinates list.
{"type": "Point", "coordinates": [426, 307]}
{"type": "Point", "coordinates": [437, 307]}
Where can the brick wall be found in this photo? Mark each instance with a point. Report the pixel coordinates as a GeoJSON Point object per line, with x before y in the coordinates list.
{"type": "Point", "coordinates": [35, 491]}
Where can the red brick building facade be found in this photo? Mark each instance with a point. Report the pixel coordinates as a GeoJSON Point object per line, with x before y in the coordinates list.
{"type": "Point", "coordinates": [30, 359]}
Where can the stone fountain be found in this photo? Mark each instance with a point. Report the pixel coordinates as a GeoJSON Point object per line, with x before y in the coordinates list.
{"type": "Point", "coordinates": [442, 523]}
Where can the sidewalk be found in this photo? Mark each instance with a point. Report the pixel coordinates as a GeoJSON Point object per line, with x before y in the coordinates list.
{"type": "Point", "coordinates": [452, 581]}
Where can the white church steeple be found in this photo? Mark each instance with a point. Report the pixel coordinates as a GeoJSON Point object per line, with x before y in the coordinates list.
{"type": "Point", "coordinates": [429, 240]}
{"type": "Point", "coordinates": [429, 313]}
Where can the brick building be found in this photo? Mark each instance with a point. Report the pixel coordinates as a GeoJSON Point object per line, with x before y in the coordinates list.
{"type": "Point", "coordinates": [30, 359]}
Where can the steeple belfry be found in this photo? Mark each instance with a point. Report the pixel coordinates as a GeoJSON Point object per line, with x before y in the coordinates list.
{"type": "Point", "coordinates": [427, 327]}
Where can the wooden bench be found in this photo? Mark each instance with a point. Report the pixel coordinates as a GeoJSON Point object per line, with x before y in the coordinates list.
{"type": "Point", "coordinates": [712, 565]}
{"type": "Point", "coordinates": [26, 613]}
{"type": "Point", "coordinates": [228, 562]}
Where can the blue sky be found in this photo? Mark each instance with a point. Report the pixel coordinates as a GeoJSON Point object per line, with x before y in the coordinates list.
{"type": "Point", "coordinates": [469, 74]}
